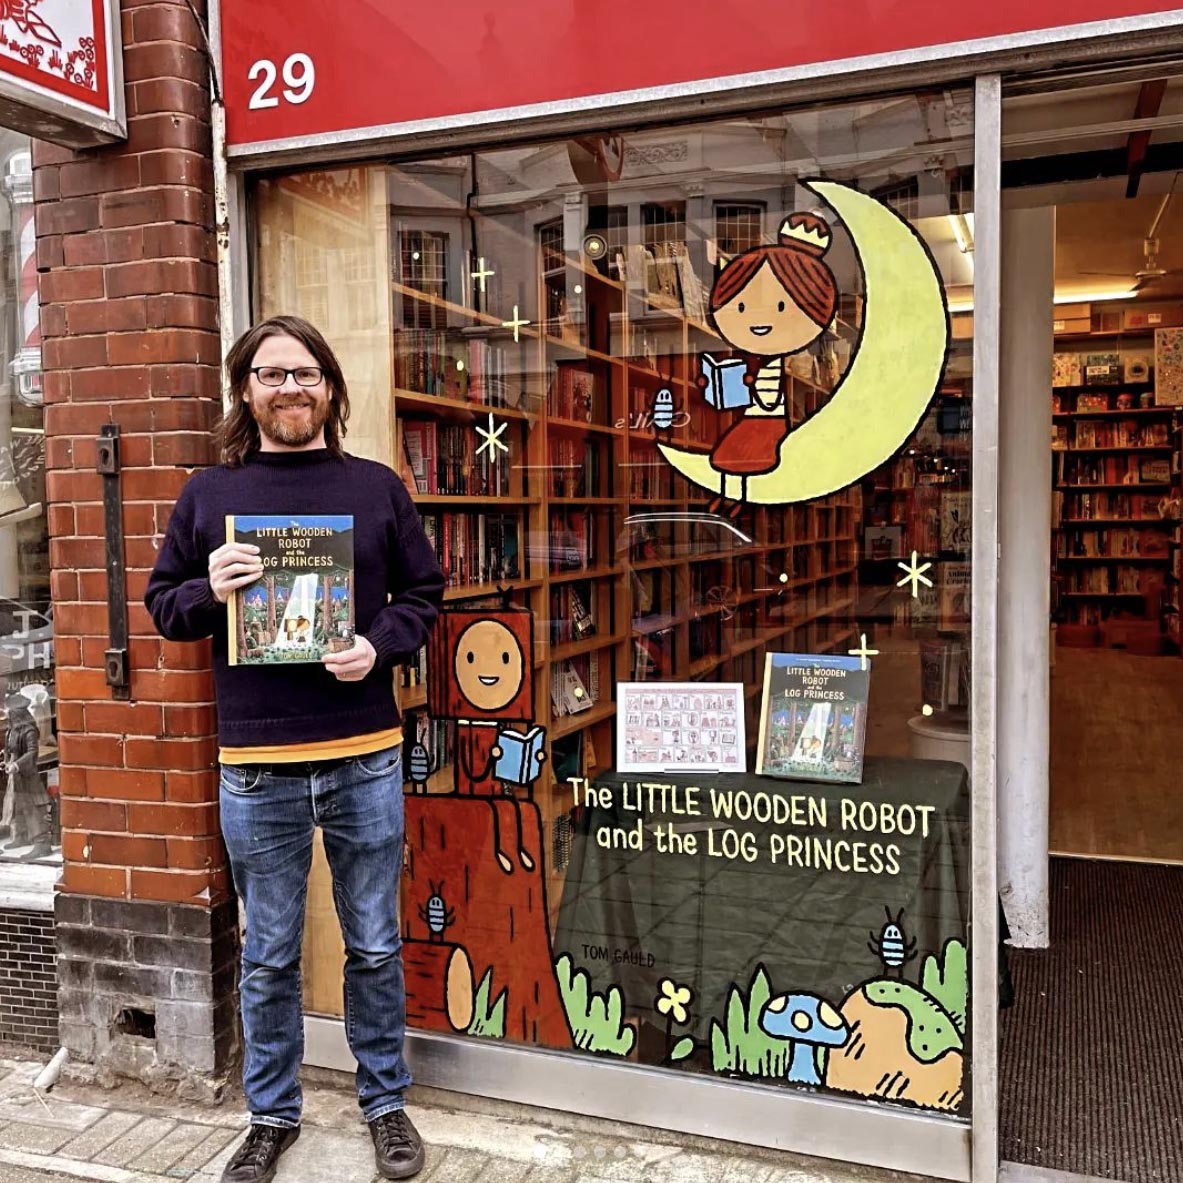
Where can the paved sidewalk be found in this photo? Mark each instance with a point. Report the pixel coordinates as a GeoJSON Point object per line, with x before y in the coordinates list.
{"type": "Point", "coordinates": [128, 1135]}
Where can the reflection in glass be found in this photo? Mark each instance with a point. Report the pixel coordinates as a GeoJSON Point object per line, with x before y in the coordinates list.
{"type": "Point", "coordinates": [557, 329]}
{"type": "Point", "coordinates": [30, 827]}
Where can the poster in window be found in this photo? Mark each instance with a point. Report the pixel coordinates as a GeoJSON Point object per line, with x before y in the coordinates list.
{"type": "Point", "coordinates": [680, 726]}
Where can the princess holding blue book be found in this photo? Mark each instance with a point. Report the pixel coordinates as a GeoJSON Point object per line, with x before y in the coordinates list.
{"type": "Point", "coordinates": [768, 303]}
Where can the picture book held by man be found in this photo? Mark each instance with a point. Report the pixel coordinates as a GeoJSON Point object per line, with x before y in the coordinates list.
{"type": "Point", "coordinates": [302, 606]}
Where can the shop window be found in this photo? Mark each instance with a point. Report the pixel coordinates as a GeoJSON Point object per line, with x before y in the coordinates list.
{"type": "Point", "coordinates": [424, 267]}
{"type": "Point", "coordinates": [30, 827]}
{"type": "Point", "coordinates": [697, 824]}
{"type": "Point", "coordinates": [738, 227]}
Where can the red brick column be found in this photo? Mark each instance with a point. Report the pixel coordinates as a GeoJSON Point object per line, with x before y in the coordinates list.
{"type": "Point", "coordinates": [125, 252]}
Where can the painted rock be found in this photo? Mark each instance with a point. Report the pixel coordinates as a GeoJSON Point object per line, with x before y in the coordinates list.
{"type": "Point", "coordinates": [902, 1047]}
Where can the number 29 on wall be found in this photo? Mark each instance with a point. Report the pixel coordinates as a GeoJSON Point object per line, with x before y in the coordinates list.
{"type": "Point", "coordinates": [299, 76]}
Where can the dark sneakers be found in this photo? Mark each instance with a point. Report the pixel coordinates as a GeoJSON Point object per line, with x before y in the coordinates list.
{"type": "Point", "coordinates": [256, 1159]}
{"type": "Point", "coordinates": [398, 1149]}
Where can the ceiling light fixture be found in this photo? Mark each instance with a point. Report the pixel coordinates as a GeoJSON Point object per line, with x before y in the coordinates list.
{"type": "Point", "coordinates": [962, 232]}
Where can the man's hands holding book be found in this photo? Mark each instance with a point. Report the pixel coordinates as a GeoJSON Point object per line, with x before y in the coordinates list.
{"type": "Point", "coordinates": [353, 664]}
{"type": "Point", "coordinates": [232, 566]}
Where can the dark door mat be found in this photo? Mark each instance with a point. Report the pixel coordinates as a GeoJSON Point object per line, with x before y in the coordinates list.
{"type": "Point", "coordinates": [1091, 1063]}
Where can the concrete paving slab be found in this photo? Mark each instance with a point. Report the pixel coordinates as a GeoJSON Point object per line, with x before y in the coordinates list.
{"type": "Point", "coordinates": [137, 1140]}
{"type": "Point", "coordinates": [458, 1165]}
{"type": "Point", "coordinates": [58, 1167]}
{"type": "Point", "coordinates": [216, 1140]}
{"type": "Point", "coordinates": [101, 1135]}
{"type": "Point", "coordinates": [50, 1111]}
{"type": "Point", "coordinates": [37, 1139]}
{"type": "Point", "coordinates": [165, 1154]}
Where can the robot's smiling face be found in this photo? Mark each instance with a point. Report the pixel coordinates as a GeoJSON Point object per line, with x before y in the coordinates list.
{"type": "Point", "coordinates": [488, 665]}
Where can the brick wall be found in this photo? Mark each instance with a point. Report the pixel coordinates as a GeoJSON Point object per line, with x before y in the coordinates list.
{"type": "Point", "coordinates": [28, 980]}
{"type": "Point", "coordinates": [126, 258]}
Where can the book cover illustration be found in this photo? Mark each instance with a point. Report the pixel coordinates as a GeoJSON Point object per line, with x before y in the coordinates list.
{"type": "Point", "coordinates": [302, 606]}
{"type": "Point", "coordinates": [1168, 367]}
{"type": "Point", "coordinates": [813, 719]}
{"type": "Point", "coordinates": [1066, 369]}
{"type": "Point", "coordinates": [956, 519]}
{"type": "Point", "coordinates": [1102, 369]}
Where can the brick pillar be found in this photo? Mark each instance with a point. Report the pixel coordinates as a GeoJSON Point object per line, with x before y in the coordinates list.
{"type": "Point", "coordinates": [147, 937]}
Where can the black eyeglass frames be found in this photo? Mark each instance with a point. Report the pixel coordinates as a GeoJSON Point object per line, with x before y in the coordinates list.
{"type": "Point", "coordinates": [277, 375]}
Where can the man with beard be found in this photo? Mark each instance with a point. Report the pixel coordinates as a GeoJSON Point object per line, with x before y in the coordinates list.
{"type": "Point", "coordinates": [312, 744]}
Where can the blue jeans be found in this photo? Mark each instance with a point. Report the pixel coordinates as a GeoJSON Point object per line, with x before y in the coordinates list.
{"type": "Point", "coordinates": [269, 813]}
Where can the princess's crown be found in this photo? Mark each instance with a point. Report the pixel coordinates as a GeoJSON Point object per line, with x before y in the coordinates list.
{"type": "Point", "coordinates": [812, 234]}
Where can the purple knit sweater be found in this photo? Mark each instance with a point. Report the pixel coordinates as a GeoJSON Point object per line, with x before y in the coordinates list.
{"type": "Point", "coordinates": [398, 587]}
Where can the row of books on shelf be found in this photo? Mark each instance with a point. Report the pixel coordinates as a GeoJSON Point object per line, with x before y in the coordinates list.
{"type": "Point", "coordinates": [575, 684]}
{"type": "Point", "coordinates": [1083, 507]}
{"type": "Point", "coordinates": [1073, 469]}
{"type": "Point", "coordinates": [575, 468]}
{"type": "Point", "coordinates": [1113, 544]}
{"type": "Point", "coordinates": [1100, 369]}
{"type": "Point", "coordinates": [936, 518]}
{"type": "Point", "coordinates": [572, 540]}
{"type": "Point", "coordinates": [475, 548]}
{"type": "Point", "coordinates": [442, 459]}
{"type": "Point", "coordinates": [1150, 432]}
{"type": "Point", "coordinates": [438, 736]}
{"type": "Point", "coordinates": [578, 392]}
{"type": "Point", "coordinates": [446, 363]}
{"type": "Point", "coordinates": [571, 612]}
{"type": "Point", "coordinates": [650, 476]}
{"type": "Point", "coordinates": [1106, 580]}
{"type": "Point", "coordinates": [413, 672]}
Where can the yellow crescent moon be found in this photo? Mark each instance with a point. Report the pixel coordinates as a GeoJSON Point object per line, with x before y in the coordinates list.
{"type": "Point", "coordinates": [890, 380]}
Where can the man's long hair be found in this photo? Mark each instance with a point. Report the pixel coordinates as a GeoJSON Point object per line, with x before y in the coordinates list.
{"type": "Point", "coordinates": [238, 434]}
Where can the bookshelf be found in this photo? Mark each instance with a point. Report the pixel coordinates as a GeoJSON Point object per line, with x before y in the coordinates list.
{"type": "Point", "coordinates": [628, 574]}
{"type": "Point", "coordinates": [1115, 466]}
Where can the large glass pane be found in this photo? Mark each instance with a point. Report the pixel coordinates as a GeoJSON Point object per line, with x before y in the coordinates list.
{"type": "Point", "coordinates": [30, 826]}
{"type": "Point", "coordinates": [671, 404]}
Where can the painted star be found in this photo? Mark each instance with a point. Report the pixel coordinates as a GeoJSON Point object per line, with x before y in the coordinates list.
{"type": "Point", "coordinates": [517, 324]}
{"type": "Point", "coordinates": [862, 652]}
{"type": "Point", "coordinates": [914, 574]}
{"type": "Point", "coordinates": [492, 437]}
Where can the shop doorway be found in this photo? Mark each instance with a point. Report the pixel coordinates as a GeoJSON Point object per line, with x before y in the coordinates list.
{"type": "Point", "coordinates": [1097, 168]}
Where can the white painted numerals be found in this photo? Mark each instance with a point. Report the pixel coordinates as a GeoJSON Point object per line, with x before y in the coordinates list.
{"type": "Point", "coordinates": [299, 76]}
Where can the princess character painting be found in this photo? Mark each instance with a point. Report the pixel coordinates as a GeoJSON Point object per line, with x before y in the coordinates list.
{"type": "Point", "coordinates": [768, 303]}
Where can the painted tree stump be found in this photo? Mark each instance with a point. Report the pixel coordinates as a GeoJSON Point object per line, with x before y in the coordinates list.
{"type": "Point", "coordinates": [440, 988]}
{"type": "Point", "coordinates": [458, 896]}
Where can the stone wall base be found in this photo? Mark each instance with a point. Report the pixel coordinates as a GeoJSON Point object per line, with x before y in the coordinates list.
{"type": "Point", "coordinates": [148, 991]}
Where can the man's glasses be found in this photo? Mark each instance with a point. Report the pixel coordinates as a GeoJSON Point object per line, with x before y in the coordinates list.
{"type": "Point", "coordinates": [277, 376]}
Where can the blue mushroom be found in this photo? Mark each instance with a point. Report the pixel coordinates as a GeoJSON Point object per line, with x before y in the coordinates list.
{"type": "Point", "coordinates": [809, 1023]}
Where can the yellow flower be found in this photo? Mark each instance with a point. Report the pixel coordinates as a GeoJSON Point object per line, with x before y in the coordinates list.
{"type": "Point", "coordinates": [674, 1000]}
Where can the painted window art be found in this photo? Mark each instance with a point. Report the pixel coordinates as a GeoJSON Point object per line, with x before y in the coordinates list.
{"type": "Point", "coordinates": [670, 403]}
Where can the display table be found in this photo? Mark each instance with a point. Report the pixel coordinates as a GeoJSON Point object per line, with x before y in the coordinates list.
{"type": "Point", "coordinates": [709, 920]}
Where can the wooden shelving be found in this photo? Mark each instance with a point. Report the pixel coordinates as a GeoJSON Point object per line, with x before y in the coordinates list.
{"type": "Point", "coordinates": [699, 598]}
{"type": "Point", "coordinates": [1112, 467]}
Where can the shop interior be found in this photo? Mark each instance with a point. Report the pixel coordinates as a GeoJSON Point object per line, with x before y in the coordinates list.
{"type": "Point", "coordinates": [1102, 163]}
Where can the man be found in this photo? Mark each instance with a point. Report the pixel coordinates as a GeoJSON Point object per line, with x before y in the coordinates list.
{"type": "Point", "coordinates": [307, 744]}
